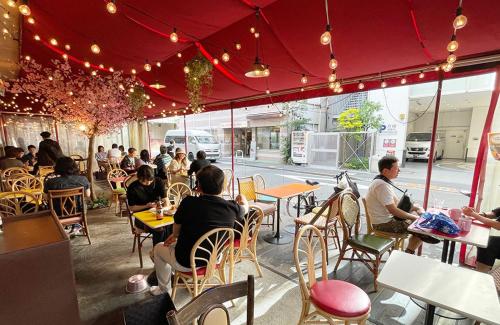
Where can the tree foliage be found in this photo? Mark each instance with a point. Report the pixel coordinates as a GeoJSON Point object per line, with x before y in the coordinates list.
{"type": "Point", "coordinates": [364, 118]}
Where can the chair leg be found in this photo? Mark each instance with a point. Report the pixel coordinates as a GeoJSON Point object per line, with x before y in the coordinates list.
{"type": "Point", "coordinates": [304, 312]}
{"type": "Point", "coordinates": [133, 245]}
{"type": "Point", "coordinates": [326, 245]}
{"type": "Point", "coordinates": [86, 231]}
{"type": "Point", "coordinates": [174, 285]}
{"type": "Point", "coordinates": [376, 265]}
{"type": "Point", "coordinates": [139, 249]}
{"type": "Point", "coordinates": [256, 262]}
{"type": "Point", "coordinates": [341, 256]}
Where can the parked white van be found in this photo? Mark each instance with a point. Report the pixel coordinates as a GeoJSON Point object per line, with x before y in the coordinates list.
{"type": "Point", "coordinates": [197, 140]}
{"type": "Point", "coordinates": [418, 146]}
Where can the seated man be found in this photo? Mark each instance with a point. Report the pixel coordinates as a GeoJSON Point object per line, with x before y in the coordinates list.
{"type": "Point", "coordinates": [129, 162]}
{"type": "Point", "coordinates": [382, 204]}
{"type": "Point", "coordinates": [143, 194]}
{"type": "Point", "coordinates": [486, 256]}
{"type": "Point", "coordinates": [30, 156]}
{"type": "Point", "coordinates": [196, 216]}
{"type": "Point", "coordinates": [200, 162]}
{"type": "Point", "coordinates": [162, 161]}
{"type": "Point", "coordinates": [12, 159]}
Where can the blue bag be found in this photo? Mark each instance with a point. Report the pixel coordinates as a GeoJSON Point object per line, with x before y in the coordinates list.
{"type": "Point", "coordinates": [439, 222]}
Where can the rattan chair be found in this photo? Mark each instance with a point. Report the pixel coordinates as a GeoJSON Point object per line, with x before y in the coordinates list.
{"type": "Point", "coordinates": [260, 184]}
{"type": "Point", "coordinates": [367, 248]}
{"type": "Point", "coordinates": [398, 238]}
{"type": "Point", "coordinates": [118, 192]}
{"type": "Point", "coordinates": [177, 192]}
{"type": "Point", "coordinates": [80, 162]}
{"type": "Point", "coordinates": [246, 187]}
{"type": "Point", "coordinates": [28, 183]}
{"type": "Point", "coordinates": [69, 206]}
{"type": "Point", "coordinates": [334, 301]}
{"type": "Point", "coordinates": [10, 174]}
{"type": "Point", "coordinates": [212, 250]}
{"type": "Point", "coordinates": [245, 247]}
{"type": "Point", "coordinates": [18, 203]}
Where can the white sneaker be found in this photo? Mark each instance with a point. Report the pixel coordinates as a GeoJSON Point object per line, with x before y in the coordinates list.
{"type": "Point", "coordinates": [156, 291]}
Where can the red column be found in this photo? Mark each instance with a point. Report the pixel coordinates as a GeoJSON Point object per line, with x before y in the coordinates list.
{"type": "Point", "coordinates": [232, 149]}
{"type": "Point", "coordinates": [433, 142]}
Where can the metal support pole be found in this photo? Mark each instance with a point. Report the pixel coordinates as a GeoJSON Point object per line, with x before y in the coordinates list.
{"type": "Point", "coordinates": [4, 131]}
{"type": "Point", "coordinates": [232, 149]}
{"type": "Point", "coordinates": [433, 141]}
{"type": "Point", "coordinates": [185, 136]}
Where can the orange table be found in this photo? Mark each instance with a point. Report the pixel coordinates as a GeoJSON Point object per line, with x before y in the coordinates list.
{"type": "Point", "coordinates": [284, 192]}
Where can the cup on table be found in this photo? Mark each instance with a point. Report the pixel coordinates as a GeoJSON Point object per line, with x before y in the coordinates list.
{"type": "Point", "coordinates": [455, 214]}
{"type": "Point", "coordinates": [438, 204]}
{"type": "Point", "coordinates": [465, 223]}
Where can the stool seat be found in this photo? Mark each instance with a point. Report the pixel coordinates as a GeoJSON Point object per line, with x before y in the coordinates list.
{"type": "Point", "coordinates": [340, 298]}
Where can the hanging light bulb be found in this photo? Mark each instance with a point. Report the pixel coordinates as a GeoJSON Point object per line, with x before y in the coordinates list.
{"type": "Point", "coordinates": [174, 38]}
{"type": "Point", "coordinates": [27, 57]}
{"type": "Point", "coordinates": [36, 37]}
{"type": "Point", "coordinates": [333, 62]}
{"type": "Point", "coordinates": [237, 46]}
{"type": "Point", "coordinates": [31, 20]}
{"type": "Point", "coordinates": [383, 84]}
{"type": "Point", "coordinates": [173, 104]}
{"type": "Point", "coordinates": [179, 54]}
{"type": "Point", "coordinates": [133, 71]}
{"type": "Point", "coordinates": [252, 30]}
{"type": "Point", "coordinates": [331, 85]}
{"type": "Point", "coordinates": [111, 69]}
{"type": "Point", "coordinates": [256, 34]}
{"type": "Point", "coordinates": [24, 9]}
{"type": "Point", "coordinates": [267, 72]}
{"type": "Point", "coordinates": [95, 48]}
{"type": "Point", "coordinates": [361, 85]}
{"type": "Point", "coordinates": [460, 20]}
{"type": "Point", "coordinates": [94, 73]}
{"type": "Point", "coordinates": [101, 66]}
{"type": "Point", "coordinates": [50, 78]}
{"type": "Point", "coordinates": [158, 64]}
{"type": "Point", "coordinates": [6, 15]}
{"type": "Point", "coordinates": [339, 89]}
{"type": "Point", "coordinates": [451, 58]}
{"type": "Point", "coordinates": [303, 79]}
{"type": "Point", "coordinates": [186, 69]}
{"type": "Point", "coordinates": [11, 3]}
{"type": "Point", "coordinates": [326, 37]}
{"type": "Point", "coordinates": [53, 41]}
{"type": "Point", "coordinates": [332, 77]}
{"type": "Point", "coordinates": [65, 56]}
{"type": "Point", "coordinates": [87, 64]}
{"type": "Point", "coordinates": [268, 91]}
{"type": "Point", "coordinates": [403, 81]}
{"type": "Point", "coordinates": [225, 56]}
{"type": "Point", "coordinates": [147, 67]}
{"type": "Point", "coordinates": [111, 7]}
{"type": "Point", "coordinates": [67, 47]}
{"type": "Point", "coordinates": [452, 45]}
{"type": "Point", "coordinates": [215, 61]}
{"type": "Point", "coordinates": [421, 75]}
{"type": "Point", "coordinates": [447, 66]}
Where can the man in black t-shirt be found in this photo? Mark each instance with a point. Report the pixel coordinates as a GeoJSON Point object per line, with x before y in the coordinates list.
{"type": "Point", "coordinates": [486, 256]}
{"type": "Point", "coordinates": [142, 195]}
{"type": "Point", "coordinates": [195, 217]}
{"type": "Point", "coordinates": [200, 162]}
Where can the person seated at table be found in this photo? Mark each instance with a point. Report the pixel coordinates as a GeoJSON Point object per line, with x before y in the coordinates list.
{"type": "Point", "coordinates": [67, 176]}
{"type": "Point", "coordinates": [486, 256]}
{"type": "Point", "coordinates": [162, 161]}
{"type": "Point", "coordinates": [178, 167]}
{"type": "Point", "coordinates": [114, 153]}
{"type": "Point", "coordinates": [195, 216]}
{"type": "Point", "coordinates": [144, 159]}
{"type": "Point", "coordinates": [129, 162]}
{"type": "Point", "coordinates": [11, 159]}
{"type": "Point", "coordinates": [101, 155]}
{"type": "Point", "coordinates": [382, 205]}
{"type": "Point", "coordinates": [143, 194]}
{"type": "Point", "coordinates": [30, 156]}
{"type": "Point", "coordinates": [200, 162]}
{"type": "Point", "coordinates": [171, 148]}
{"type": "Point", "coordinates": [122, 151]}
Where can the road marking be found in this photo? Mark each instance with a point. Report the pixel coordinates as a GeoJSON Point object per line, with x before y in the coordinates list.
{"type": "Point", "coordinates": [301, 178]}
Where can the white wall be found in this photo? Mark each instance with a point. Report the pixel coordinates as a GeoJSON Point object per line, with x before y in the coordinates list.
{"type": "Point", "coordinates": [476, 129]}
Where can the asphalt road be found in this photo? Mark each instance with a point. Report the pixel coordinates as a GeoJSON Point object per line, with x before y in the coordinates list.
{"type": "Point", "coordinates": [447, 180]}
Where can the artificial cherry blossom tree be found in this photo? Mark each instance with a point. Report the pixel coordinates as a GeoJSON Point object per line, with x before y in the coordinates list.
{"type": "Point", "coordinates": [96, 103]}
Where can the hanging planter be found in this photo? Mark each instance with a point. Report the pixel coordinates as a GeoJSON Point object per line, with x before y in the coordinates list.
{"type": "Point", "coordinates": [198, 78]}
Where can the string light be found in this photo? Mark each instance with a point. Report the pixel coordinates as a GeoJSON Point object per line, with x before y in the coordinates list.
{"type": "Point", "coordinates": [303, 79]}
{"type": "Point", "coordinates": [24, 9]}
{"type": "Point", "coordinates": [111, 7]}
{"type": "Point", "coordinates": [252, 30]}
{"type": "Point", "coordinates": [6, 15]}
{"type": "Point", "coordinates": [147, 67]}
{"type": "Point", "coordinates": [31, 20]}
{"type": "Point", "coordinates": [101, 66]}
{"type": "Point", "coordinates": [36, 37]}
{"type": "Point", "coordinates": [332, 77]}
{"type": "Point", "coordinates": [5, 30]}
{"type": "Point", "coordinates": [65, 56]}
{"type": "Point", "coordinates": [237, 46]}
{"type": "Point", "coordinates": [460, 20]}
{"type": "Point", "coordinates": [111, 69]}
{"type": "Point", "coordinates": [326, 37]}
{"type": "Point", "coordinates": [383, 84]}
{"type": "Point", "coordinates": [215, 61]}
{"type": "Point", "coordinates": [421, 75]}
{"type": "Point", "coordinates": [67, 47]}
{"type": "Point", "coordinates": [268, 91]}
{"type": "Point", "coordinates": [158, 64]}
{"type": "Point", "coordinates": [331, 85]}
{"type": "Point", "coordinates": [403, 81]}
{"type": "Point", "coordinates": [174, 38]}
{"type": "Point", "coordinates": [333, 62]}
{"type": "Point", "coordinates": [53, 41]}
{"type": "Point", "coordinates": [452, 45]}
{"type": "Point", "coordinates": [451, 58]}
{"type": "Point", "coordinates": [133, 71]}
{"type": "Point", "coordinates": [27, 57]}
{"type": "Point", "coordinates": [94, 73]}
{"type": "Point", "coordinates": [11, 3]}
{"type": "Point", "coordinates": [179, 54]}
{"type": "Point", "coordinates": [301, 89]}
{"type": "Point", "coordinates": [87, 64]}
{"type": "Point", "coordinates": [447, 67]}
{"type": "Point", "coordinates": [256, 34]}
{"type": "Point", "coordinates": [225, 56]}
{"type": "Point", "coordinates": [173, 104]}
{"type": "Point", "coordinates": [95, 48]}
{"type": "Point", "coordinates": [186, 69]}
{"type": "Point", "coordinates": [361, 85]}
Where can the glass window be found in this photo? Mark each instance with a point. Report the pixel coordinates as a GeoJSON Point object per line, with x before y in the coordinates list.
{"type": "Point", "coordinates": [268, 138]}
{"type": "Point", "coordinates": [206, 139]}
{"type": "Point", "coordinates": [419, 137]}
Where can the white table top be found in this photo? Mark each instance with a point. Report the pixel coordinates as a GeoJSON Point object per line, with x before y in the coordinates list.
{"type": "Point", "coordinates": [477, 236]}
{"type": "Point", "coordinates": [466, 292]}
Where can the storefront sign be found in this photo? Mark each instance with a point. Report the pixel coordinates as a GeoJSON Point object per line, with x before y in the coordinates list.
{"type": "Point", "coordinates": [389, 143]}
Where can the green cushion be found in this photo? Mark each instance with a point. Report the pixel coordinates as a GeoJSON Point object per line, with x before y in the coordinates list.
{"type": "Point", "coordinates": [371, 243]}
{"type": "Point", "coordinates": [265, 198]}
{"type": "Point", "coordinates": [120, 190]}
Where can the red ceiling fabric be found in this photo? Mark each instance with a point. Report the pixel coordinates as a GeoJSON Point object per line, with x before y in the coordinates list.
{"type": "Point", "coordinates": [369, 37]}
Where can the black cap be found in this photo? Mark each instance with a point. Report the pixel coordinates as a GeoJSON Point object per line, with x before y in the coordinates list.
{"type": "Point", "coordinates": [45, 134]}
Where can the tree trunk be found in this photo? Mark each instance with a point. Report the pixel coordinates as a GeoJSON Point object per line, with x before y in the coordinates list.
{"type": "Point", "coordinates": [90, 167]}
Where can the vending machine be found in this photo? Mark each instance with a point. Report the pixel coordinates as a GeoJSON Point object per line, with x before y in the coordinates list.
{"type": "Point", "coordinates": [300, 147]}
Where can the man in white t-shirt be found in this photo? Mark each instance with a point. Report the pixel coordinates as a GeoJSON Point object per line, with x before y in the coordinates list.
{"type": "Point", "coordinates": [114, 153]}
{"type": "Point", "coordinates": [382, 204]}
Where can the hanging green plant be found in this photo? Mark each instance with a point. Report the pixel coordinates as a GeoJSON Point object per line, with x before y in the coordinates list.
{"type": "Point", "coordinates": [137, 100]}
{"type": "Point", "coordinates": [199, 77]}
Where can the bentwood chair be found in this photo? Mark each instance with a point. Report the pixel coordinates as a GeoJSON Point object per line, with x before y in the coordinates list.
{"type": "Point", "coordinates": [10, 174]}
{"type": "Point", "coordinates": [246, 187]}
{"type": "Point", "coordinates": [81, 163]}
{"type": "Point", "coordinates": [207, 260]}
{"type": "Point", "coordinates": [208, 308]}
{"type": "Point", "coordinates": [28, 183]}
{"type": "Point", "coordinates": [14, 204]}
{"type": "Point", "coordinates": [399, 239]}
{"type": "Point", "coordinates": [69, 206]}
{"type": "Point", "coordinates": [334, 301]}
{"type": "Point", "coordinates": [367, 248]}
{"type": "Point", "coordinates": [260, 184]}
{"type": "Point", "coordinates": [140, 235]}
{"type": "Point", "coordinates": [177, 192]}
{"type": "Point", "coordinates": [115, 178]}
{"type": "Point", "coordinates": [246, 233]}
{"type": "Point", "coordinates": [325, 219]}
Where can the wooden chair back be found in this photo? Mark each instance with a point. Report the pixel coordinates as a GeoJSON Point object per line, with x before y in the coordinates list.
{"type": "Point", "coordinates": [177, 192]}
{"type": "Point", "coordinates": [27, 182]}
{"type": "Point", "coordinates": [207, 308]}
{"type": "Point", "coordinates": [115, 173]}
{"type": "Point", "coordinates": [249, 230]}
{"type": "Point", "coordinates": [113, 163]}
{"type": "Point", "coordinates": [18, 203]}
{"type": "Point", "coordinates": [13, 170]}
{"type": "Point", "coordinates": [246, 187]}
{"type": "Point", "coordinates": [80, 162]}
{"type": "Point", "coordinates": [67, 203]}
{"type": "Point", "coordinates": [210, 250]}
{"type": "Point", "coordinates": [308, 246]}
{"type": "Point", "coordinates": [349, 212]}
{"type": "Point", "coordinates": [368, 218]}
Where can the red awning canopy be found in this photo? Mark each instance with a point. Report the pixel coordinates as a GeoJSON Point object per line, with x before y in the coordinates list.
{"type": "Point", "coordinates": [369, 38]}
